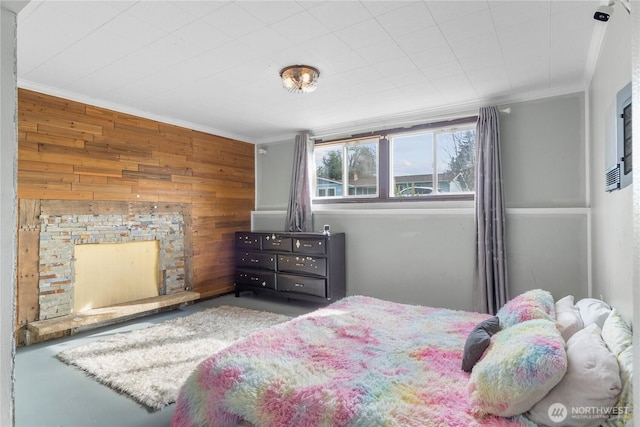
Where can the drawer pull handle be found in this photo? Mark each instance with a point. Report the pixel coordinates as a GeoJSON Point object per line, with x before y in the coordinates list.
{"type": "Point", "coordinates": [299, 264]}
{"type": "Point", "coordinates": [255, 279]}
{"type": "Point", "coordinates": [298, 285]}
{"type": "Point", "coordinates": [255, 260]}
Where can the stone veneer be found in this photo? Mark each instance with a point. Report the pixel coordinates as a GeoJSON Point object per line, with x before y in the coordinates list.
{"type": "Point", "coordinates": [60, 233]}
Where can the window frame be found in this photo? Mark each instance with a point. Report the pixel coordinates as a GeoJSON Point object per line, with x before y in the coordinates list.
{"type": "Point", "coordinates": [384, 166]}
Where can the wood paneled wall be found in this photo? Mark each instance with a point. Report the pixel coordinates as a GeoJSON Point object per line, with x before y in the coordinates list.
{"type": "Point", "coordinates": [73, 151]}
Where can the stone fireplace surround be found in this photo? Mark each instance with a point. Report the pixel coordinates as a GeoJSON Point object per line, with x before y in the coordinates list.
{"type": "Point", "coordinates": [64, 224]}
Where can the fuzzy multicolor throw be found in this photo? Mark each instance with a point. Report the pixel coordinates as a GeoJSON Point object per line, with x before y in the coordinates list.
{"type": "Point", "coordinates": [359, 362]}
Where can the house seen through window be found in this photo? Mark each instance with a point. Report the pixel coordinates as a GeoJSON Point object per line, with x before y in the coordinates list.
{"type": "Point", "coordinates": [398, 166]}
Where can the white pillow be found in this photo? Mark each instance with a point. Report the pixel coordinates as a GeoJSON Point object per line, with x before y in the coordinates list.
{"type": "Point", "coordinates": [623, 416]}
{"type": "Point", "coordinates": [593, 311]}
{"type": "Point", "coordinates": [568, 317]}
{"type": "Point", "coordinates": [616, 333]}
{"type": "Point", "coordinates": [592, 380]}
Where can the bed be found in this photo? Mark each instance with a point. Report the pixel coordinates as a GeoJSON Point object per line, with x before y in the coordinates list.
{"type": "Point", "coordinates": [368, 362]}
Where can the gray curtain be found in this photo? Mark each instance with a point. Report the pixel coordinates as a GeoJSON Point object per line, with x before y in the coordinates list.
{"type": "Point", "coordinates": [491, 285]}
{"type": "Point", "coordinates": [299, 210]}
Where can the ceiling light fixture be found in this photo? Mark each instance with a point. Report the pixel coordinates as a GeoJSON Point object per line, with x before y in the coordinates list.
{"type": "Point", "coordinates": [299, 78]}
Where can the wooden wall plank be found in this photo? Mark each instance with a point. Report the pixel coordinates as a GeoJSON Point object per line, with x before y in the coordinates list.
{"type": "Point", "coordinates": [44, 193]}
{"type": "Point", "coordinates": [26, 165]}
{"type": "Point", "coordinates": [156, 176]}
{"type": "Point", "coordinates": [25, 176]}
{"type": "Point", "coordinates": [61, 207]}
{"type": "Point", "coordinates": [168, 170]}
{"type": "Point", "coordinates": [29, 214]}
{"type": "Point", "coordinates": [54, 140]}
{"type": "Point", "coordinates": [99, 187]}
{"type": "Point", "coordinates": [27, 280]}
{"type": "Point", "coordinates": [62, 131]}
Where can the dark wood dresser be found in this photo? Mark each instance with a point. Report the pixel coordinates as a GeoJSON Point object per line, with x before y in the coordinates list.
{"type": "Point", "coordinates": [309, 266]}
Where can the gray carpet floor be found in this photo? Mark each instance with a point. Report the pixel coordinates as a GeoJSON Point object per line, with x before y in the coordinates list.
{"type": "Point", "coordinates": [49, 393]}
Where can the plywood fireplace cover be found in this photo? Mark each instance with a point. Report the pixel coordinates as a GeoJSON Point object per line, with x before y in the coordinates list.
{"type": "Point", "coordinates": [112, 273]}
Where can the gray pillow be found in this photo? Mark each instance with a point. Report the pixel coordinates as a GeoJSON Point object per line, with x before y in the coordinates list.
{"type": "Point", "coordinates": [478, 341]}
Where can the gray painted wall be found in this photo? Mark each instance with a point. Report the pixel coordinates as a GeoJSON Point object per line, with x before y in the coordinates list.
{"type": "Point", "coordinates": [424, 252]}
{"type": "Point", "coordinates": [543, 152]}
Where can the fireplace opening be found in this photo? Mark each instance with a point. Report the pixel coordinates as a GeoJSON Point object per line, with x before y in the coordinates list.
{"type": "Point", "coordinates": [112, 273]}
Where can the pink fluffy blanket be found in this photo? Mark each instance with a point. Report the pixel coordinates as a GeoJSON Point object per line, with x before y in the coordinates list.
{"type": "Point", "coordinates": [359, 362]}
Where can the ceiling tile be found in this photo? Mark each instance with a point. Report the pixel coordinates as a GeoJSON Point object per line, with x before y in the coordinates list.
{"type": "Point", "coordinates": [398, 65]}
{"type": "Point", "coordinates": [444, 11]}
{"type": "Point", "coordinates": [36, 46]}
{"type": "Point", "coordinates": [300, 28]}
{"type": "Point", "coordinates": [163, 15]}
{"type": "Point", "coordinates": [93, 52]}
{"type": "Point", "coordinates": [382, 7]}
{"type": "Point", "coordinates": [234, 21]}
{"type": "Point", "coordinates": [327, 46]}
{"type": "Point", "coordinates": [535, 31]}
{"type": "Point", "coordinates": [468, 27]}
{"type": "Point", "coordinates": [202, 36]}
{"type": "Point", "coordinates": [266, 41]}
{"type": "Point", "coordinates": [340, 14]}
{"type": "Point", "coordinates": [421, 40]}
{"type": "Point", "coordinates": [363, 34]}
{"type": "Point", "coordinates": [512, 13]}
{"type": "Point", "coordinates": [438, 70]}
{"type": "Point", "coordinates": [408, 19]}
{"type": "Point", "coordinates": [434, 56]}
{"type": "Point", "coordinates": [271, 12]}
{"type": "Point", "coordinates": [198, 8]}
{"type": "Point", "coordinates": [386, 51]}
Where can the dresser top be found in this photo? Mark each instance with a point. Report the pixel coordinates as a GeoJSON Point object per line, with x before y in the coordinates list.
{"type": "Point", "coordinates": [292, 233]}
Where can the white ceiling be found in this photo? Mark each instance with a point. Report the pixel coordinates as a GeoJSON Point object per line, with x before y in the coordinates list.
{"type": "Point", "coordinates": [214, 65]}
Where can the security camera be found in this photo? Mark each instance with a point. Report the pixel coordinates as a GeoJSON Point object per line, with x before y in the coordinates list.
{"type": "Point", "coordinates": [603, 13]}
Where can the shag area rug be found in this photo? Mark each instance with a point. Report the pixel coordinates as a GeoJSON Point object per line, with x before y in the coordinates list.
{"type": "Point", "coordinates": [150, 365]}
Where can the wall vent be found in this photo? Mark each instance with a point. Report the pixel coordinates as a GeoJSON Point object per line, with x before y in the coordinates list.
{"type": "Point", "coordinates": [612, 178]}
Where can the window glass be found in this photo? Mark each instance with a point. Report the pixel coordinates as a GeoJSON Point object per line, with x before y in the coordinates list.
{"type": "Point", "coordinates": [363, 168]}
{"type": "Point", "coordinates": [456, 161]}
{"type": "Point", "coordinates": [412, 170]}
{"type": "Point", "coordinates": [329, 171]}
{"type": "Point", "coordinates": [433, 162]}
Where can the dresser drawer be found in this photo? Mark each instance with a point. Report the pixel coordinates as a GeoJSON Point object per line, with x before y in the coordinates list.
{"type": "Point", "coordinates": [256, 260]}
{"type": "Point", "coordinates": [304, 285]}
{"type": "Point", "coordinates": [274, 242]}
{"type": "Point", "coordinates": [260, 279]}
{"type": "Point", "coordinates": [302, 264]}
{"type": "Point", "coordinates": [310, 246]}
{"type": "Point", "coordinates": [248, 241]}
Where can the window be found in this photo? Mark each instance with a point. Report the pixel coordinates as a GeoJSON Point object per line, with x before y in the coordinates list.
{"type": "Point", "coordinates": [355, 177]}
{"type": "Point", "coordinates": [434, 162]}
{"type": "Point", "coordinates": [421, 162]}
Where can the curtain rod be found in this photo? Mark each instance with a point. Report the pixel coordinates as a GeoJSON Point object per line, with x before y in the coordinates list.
{"type": "Point", "coordinates": [398, 127]}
